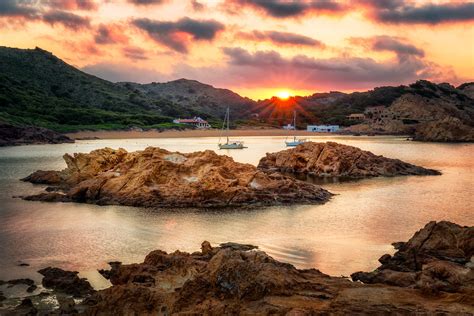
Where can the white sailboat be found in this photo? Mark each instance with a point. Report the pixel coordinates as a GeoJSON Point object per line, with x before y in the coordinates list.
{"type": "Point", "coordinates": [295, 142]}
{"type": "Point", "coordinates": [229, 144]}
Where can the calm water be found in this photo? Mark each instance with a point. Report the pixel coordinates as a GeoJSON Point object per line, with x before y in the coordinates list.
{"type": "Point", "coordinates": [345, 235]}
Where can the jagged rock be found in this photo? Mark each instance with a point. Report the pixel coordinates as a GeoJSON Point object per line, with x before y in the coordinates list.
{"type": "Point", "coordinates": [435, 259]}
{"type": "Point", "coordinates": [67, 282]}
{"type": "Point", "coordinates": [446, 130]}
{"type": "Point", "coordinates": [22, 135]}
{"type": "Point", "coordinates": [43, 177]}
{"type": "Point", "coordinates": [336, 160]}
{"type": "Point", "coordinates": [238, 279]}
{"type": "Point", "coordinates": [156, 177]}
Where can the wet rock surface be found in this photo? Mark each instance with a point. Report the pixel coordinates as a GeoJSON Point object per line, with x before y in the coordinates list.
{"type": "Point", "coordinates": [156, 177]}
{"type": "Point", "coordinates": [240, 279]}
{"type": "Point", "coordinates": [437, 258]}
{"type": "Point", "coordinates": [67, 282]}
{"type": "Point", "coordinates": [331, 159]}
{"type": "Point", "coordinates": [11, 135]}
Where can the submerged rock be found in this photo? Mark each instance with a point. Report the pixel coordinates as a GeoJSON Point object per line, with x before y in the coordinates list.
{"type": "Point", "coordinates": [26, 308]}
{"type": "Point", "coordinates": [67, 282]}
{"type": "Point", "coordinates": [435, 259]}
{"type": "Point", "coordinates": [336, 160]}
{"type": "Point", "coordinates": [156, 177]}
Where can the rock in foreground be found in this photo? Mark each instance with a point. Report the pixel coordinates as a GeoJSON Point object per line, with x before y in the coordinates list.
{"type": "Point", "coordinates": [336, 160]}
{"type": "Point", "coordinates": [437, 258]}
{"type": "Point", "coordinates": [235, 280]}
{"type": "Point", "coordinates": [156, 177]}
{"type": "Point", "coordinates": [16, 135]}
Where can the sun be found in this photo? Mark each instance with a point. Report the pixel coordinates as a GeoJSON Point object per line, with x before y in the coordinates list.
{"type": "Point", "coordinates": [283, 94]}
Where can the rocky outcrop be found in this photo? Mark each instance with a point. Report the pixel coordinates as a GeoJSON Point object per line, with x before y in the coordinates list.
{"type": "Point", "coordinates": [439, 257]}
{"type": "Point", "coordinates": [67, 282]}
{"type": "Point", "coordinates": [156, 177]}
{"type": "Point", "coordinates": [446, 130]}
{"type": "Point", "coordinates": [24, 135]}
{"type": "Point", "coordinates": [336, 160]}
{"type": "Point", "coordinates": [239, 279]}
{"type": "Point", "coordinates": [427, 111]}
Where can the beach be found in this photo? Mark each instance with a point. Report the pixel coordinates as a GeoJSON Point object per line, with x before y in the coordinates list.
{"type": "Point", "coordinates": [189, 133]}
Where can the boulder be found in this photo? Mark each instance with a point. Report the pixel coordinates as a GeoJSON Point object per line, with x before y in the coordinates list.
{"type": "Point", "coordinates": [156, 177]}
{"type": "Point", "coordinates": [435, 259]}
{"type": "Point", "coordinates": [67, 282]}
{"type": "Point", "coordinates": [235, 279]}
{"type": "Point", "coordinates": [336, 160]}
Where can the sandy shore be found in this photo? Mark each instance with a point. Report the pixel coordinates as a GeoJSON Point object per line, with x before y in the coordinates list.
{"type": "Point", "coordinates": [187, 133]}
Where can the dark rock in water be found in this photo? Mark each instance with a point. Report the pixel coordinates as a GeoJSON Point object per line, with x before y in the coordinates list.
{"type": "Point", "coordinates": [435, 259]}
{"type": "Point", "coordinates": [26, 308]}
{"type": "Point", "coordinates": [31, 288]}
{"type": "Point", "coordinates": [11, 135]}
{"type": "Point", "coordinates": [23, 264]}
{"type": "Point", "coordinates": [2, 297]}
{"type": "Point", "coordinates": [110, 273]}
{"type": "Point", "coordinates": [336, 160]}
{"type": "Point", "coordinates": [66, 282]}
{"type": "Point", "coordinates": [43, 177]}
{"type": "Point", "coordinates": [27, 282]}
{"type": "Point", "coordinates": [156, 177]}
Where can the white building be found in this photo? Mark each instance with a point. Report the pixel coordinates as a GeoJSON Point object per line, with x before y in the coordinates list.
{"type": "Point", "coordinates": [289, 127]}
{"type": "Point", "coordinates": [195, 121]}
{"type": "Point", "coordinates": [322, 128]}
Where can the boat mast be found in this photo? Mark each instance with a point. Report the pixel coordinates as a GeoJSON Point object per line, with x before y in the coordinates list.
{"type": "Point", "coordinates": [228, 119]}
{"type": "Point", "coordinates": [294, 123]}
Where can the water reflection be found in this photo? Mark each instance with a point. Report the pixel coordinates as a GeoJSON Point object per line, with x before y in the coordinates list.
{"type": "Point", "coordinates": [345, 235]}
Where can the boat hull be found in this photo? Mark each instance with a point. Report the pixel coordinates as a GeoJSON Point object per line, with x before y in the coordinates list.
{"type": "Point", "coordinates": [294, 143]}
{"type": "Point", "coordinates": [231, 146]}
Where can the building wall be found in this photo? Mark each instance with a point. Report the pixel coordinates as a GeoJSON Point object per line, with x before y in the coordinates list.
{"type": "Point", "coordinates": [322, 128]}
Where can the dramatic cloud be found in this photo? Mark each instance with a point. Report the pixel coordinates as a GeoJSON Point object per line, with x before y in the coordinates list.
{"type": "Point", "coordinates": [397, 45]}
{"type": "Point", "coordinates": [197, 6]}
{"type": "Point", "coordinates": [175, 35]}
{"type": "Point", "coordinates": [285, 9]}
{"type": "Point", "coordinates": [67, 19]}
{"type": "Point", "coordinates": [134, 53]}
{"type": "Point", "coordinates": [404, 12]}
{"type": "Point", "coordinates": [110, 34]}
{"type": "Point", "coordinates": [14, 8]}
{"type": "Point", "coordinates": [146, 2]}
{"type": "Point", "coordinates": [72, 4]}
{"type": "Point", "coordinates": [340, 71]}
{"type": "Point", "coordinates": [281, 38]}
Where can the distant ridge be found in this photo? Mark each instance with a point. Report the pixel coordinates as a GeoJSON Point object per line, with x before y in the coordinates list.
{"type": "Point", "coordinates": [37, 88]}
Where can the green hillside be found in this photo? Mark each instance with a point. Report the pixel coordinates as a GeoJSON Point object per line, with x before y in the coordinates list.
{"type": "Point", "coordinates": [37, 88]}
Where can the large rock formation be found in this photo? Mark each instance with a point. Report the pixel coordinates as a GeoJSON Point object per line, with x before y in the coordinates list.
{"type": "Point", "coordinates": [156, 177]}
{"type": "Point", "coordinates": [439, 257]}
{"type": "Point", "coordinates": [429, 112]}
{"type": "Point", "coordinates": [448, 129]}
{"type": "Point", "coordinates": [234, 279]}
{"type": "Point", "coordinates": [336, 160]}
{"type": "Point", "coordinates": [25, 135]}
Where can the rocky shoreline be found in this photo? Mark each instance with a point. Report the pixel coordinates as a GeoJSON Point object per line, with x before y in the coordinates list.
{"type": "Point", "coordinates": [29, 135]}
{"type": "Point", "coordinates": [331, 159]}
{"type": "Point", "coordinates": [156, 177]}
{"type": "Point", "coordinates": [432, 273]}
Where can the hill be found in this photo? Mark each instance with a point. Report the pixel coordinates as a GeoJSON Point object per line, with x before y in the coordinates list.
{"type": "Point", "coordinates": [37, 88]}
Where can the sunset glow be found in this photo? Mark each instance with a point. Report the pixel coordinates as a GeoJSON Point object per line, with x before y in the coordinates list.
{"type": "Point", "coordinates": [283, 95]}
{"type": "Point", "coordinates": [253, 47]}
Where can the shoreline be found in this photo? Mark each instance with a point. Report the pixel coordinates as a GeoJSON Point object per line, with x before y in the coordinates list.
{"type": "Point", "coordinates": [84, 135]}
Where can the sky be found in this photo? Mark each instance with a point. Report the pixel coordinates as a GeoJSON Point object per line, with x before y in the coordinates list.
{"type": "Point", "coordinates": [257, 48]}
